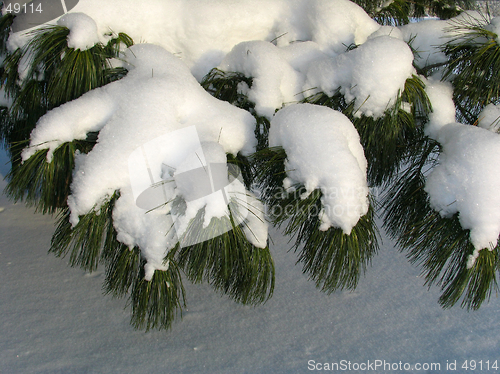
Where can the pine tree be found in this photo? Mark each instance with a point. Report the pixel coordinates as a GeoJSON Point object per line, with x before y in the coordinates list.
{"type": "Point", "coordinates": [51, 77]}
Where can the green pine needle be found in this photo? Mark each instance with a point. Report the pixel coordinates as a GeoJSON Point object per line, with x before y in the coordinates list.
{"type": "Point", "coordinates": [439, 245]}
{"type": "Point", "coordinates": [474, 63]}
{"type": "Point", "coordinates": [56, 74]}
{"type": "Point", "coordinates": [85, 241]}
{"type": "Point", "coordinates": [46, 185]}
{"type": "Point", "coordinates": [225, 86]}
{"type": "Point", "coordinates": [333, 259]}
{"type": "Point", "coordinates": [157, 302]}
{"type": "Point", "coordinates": [385, 140]}
{"type": "Point", "coordinates": [400, 11]}
{"type": "Point", "coordinates": [227, 261]}
{"type": "Point", "coordinates": [123, 266]}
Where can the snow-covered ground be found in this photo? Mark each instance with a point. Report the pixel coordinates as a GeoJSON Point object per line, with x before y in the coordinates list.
{"type": "Point", "coordinates": [54, 319]}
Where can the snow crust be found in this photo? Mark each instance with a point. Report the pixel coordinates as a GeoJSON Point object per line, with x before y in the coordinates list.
{"type": "Point", "coordinates": [55, 321]}
{"type": "Point", "coordinates": [323, 152]}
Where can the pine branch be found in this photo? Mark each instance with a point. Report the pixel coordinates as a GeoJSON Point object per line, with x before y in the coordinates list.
{"type": "Point", "coordinates": [227, 261]}
{"type": "Point", "coordinates": [46, 185]}
{"type": "Point", "coordinates": [474, 62]}
{"type": "Point", "coordinates": [439, 245]}
{"type": "Point", "coordinates": [86, 240]}
{"type": "Point", "coordinates": [225, 86]}
{"type": "Point", "coordinates": [157, 302]}
{"type": "Point", "coordinates": [385, 140]}
{"type": "Point", "coordinates": [67, 74]}
{"type": "Point", "coordinates": [333, 259]}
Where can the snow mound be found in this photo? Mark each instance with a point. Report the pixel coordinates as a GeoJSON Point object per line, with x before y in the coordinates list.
{"type": "Point", "coordinates": [202, 32]}
{"type": "Point", "coordinates": [339, 23]}
{"type": "Point", "coordinates": [372, 74]}
{"type": "Point", "coordinates": [440, 95]}
{"type": "Point", "coordinates": [160, 112]}
{"type": "Point", "coordinates": [489, 118]}
{"type": "Point", "coordinates": [274, 81]}
{"type": "Point", "coordinates": [466, 181]}
{"type": "Point", "coordinates": [323, 152]}
{"type": "Point", "coordinates": [426, 37]}
{"type": "Point", "coordinates": [82, 30]}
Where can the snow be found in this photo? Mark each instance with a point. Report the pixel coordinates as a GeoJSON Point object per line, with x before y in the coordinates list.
{"type": "Point", "coordinates": [440, 95]}
{"type": "Point", "coordinates": [494, 26]}
{"type": "Point", "coordinates": [157, 126]}
{"type": "Point", "coordinates": [339, 23]}
{"type": "Point", "coordinates": [372, 74]}
{"type": "Point", "coordinates": [425, 38]}
{"type": "Point", "coordinates": [56, 320]}
{"type": "Point", "coordinates": [274, 83]}
{"type": "Point", "coordinates": [466, 181]}
{"type": "Point", "coordinates": [489, 118]}
{"type": "Point", "coordinates": [290, 50]}
{"type": "Point", "coordinates": [323, 152]}
{"type": "Point", "coordinates": [202, 32]}
{"type": "Point", "coordinates": [82, 30]}
{"type": "Point", "coordinates": [137, 123]}
{"type": "Point", "coordinates": [134, 113]}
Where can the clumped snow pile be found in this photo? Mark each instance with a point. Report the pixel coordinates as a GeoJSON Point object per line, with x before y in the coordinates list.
{"type": "Point", "coordinates": [440, 95]}
{"type": "Point", "coordinates": [311, 37]}
{"type": "Point", "coordinates": [466, 180]}
{"type": "Point", "coordinates": [494, 26]}
{"type": "Point", "coordinates": [339, 23]}
{"type": "Point", "coordinates": [323, 152]}
{"type": "Point", "coordinates": [372, 74]}
{"type": "Point", "coordinates": [489, 118]}
{"type": "Point", "coordinates": [144, 111]}
{"type": "Point", "coordinates": [202, 32]}
{"type": "Point", "coordinates": [426, 37]}
{"type": "Point", "coordinates": [274, 82]}
{"type": "Point", "coordinates": [82, 30]}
